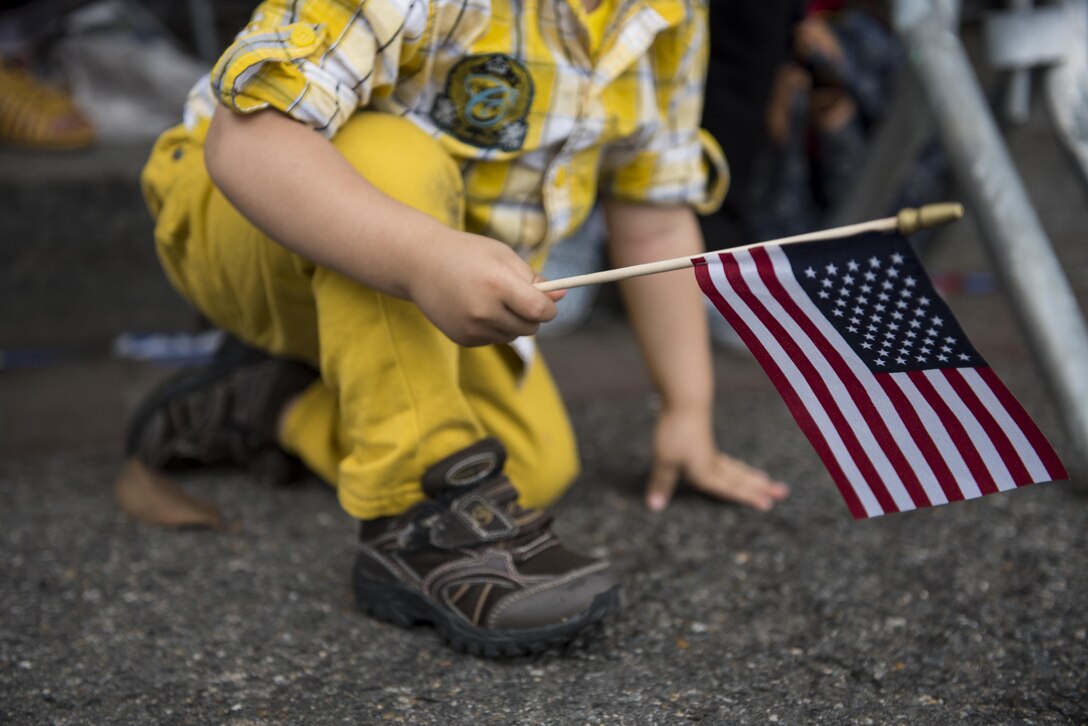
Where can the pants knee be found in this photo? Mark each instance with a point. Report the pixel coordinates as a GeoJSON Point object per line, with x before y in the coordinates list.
{"type": "Point", "coordinates": [543, 477]}
{"type": "Point", "coordinates": [403, 161]}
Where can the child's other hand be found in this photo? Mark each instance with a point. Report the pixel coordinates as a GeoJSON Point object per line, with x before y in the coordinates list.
{"type": "Point", "coordinates": [478, 291]}
{"type": "Point", "coordinates": [684, 446]}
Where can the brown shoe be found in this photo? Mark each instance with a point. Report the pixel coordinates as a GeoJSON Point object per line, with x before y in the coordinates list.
{"type": "Point", "coordinates": [488, 574]}
{"type": "Point", "coordinates": [222, 413]}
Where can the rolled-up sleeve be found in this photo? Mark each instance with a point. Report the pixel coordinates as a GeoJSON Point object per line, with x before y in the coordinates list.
{"type": "Point", "coordinates": [319, 61]}
{"type": "Point", "coordinates": [673, 161]}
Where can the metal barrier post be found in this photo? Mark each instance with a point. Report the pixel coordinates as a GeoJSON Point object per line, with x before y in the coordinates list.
{"type": "Point", "coordinates": [1023, 255]}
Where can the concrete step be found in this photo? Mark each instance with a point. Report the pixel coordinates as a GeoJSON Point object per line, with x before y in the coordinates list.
{"type": "Point", "coordinates": [77, 262]}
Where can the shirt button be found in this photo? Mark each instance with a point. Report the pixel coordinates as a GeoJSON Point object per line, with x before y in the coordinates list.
{"type": "Point", "coordinates": [303, 35]}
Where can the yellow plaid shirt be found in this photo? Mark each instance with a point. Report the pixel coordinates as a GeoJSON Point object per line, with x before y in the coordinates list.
{"type": "Point", "coordinates": [539, 121]}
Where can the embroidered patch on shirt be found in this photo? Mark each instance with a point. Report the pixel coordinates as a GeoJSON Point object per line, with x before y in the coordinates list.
{"type": "Point", "coordinates": [485, 103]}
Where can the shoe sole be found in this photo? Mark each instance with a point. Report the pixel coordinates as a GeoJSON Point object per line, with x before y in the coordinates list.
{"type": "Point", "coordinates": [399, 605]}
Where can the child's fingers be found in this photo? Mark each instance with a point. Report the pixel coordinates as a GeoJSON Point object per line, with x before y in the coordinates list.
{"type": "Point", "coordinates": [662, 484]}
{"type": "Point", "coordinates": [555, 295]}
{"type": "Point", "coordinates": [735, 481]}
{"type": "Point", "coordinates": [511, 325]}
{"type": "Point", "coordinates": [531, 305]}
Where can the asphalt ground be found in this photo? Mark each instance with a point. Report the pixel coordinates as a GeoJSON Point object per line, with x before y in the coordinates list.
{"type": "Point", "coordinates": [968, 613]}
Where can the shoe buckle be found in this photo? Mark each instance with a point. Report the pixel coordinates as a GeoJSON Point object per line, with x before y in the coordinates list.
{"type": "Point", "coordinates": [472, 519]}
{"type": "Point", "coordinates": [484, 517]}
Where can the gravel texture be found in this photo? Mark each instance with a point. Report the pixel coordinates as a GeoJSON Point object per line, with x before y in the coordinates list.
{"type": "Point", "coordinates": [966, 613]}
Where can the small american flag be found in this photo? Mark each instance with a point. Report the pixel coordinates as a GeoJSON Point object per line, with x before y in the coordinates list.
{"type": "Point", "coordinates": [896, 401]}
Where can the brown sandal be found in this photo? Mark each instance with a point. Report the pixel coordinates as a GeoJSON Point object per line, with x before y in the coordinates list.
{"type": "Point", "coordinates": [35, 115]}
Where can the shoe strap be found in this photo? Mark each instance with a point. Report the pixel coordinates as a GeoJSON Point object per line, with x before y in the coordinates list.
{"type": "Point", "coordinates": [483, 515]}
{"type": "Point", "coordinates": [464, 470]}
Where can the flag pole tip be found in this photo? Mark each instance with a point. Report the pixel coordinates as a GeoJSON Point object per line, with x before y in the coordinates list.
{"type": "Point", "coordinates": [911, 220]}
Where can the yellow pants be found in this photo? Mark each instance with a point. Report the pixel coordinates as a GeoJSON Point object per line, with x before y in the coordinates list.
{"type": "Point", "coordinates": [395, 395]}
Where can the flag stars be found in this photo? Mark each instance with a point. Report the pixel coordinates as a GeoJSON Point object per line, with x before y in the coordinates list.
{"type": "Point", "coordinates": [886, 310]}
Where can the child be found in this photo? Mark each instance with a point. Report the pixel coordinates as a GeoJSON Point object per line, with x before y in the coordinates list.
{"type": "Point", "coordinates": [412, 161]}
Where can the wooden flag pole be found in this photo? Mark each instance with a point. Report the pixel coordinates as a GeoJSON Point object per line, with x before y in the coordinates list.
{"type": "Point", "coordinates": [908, 221]}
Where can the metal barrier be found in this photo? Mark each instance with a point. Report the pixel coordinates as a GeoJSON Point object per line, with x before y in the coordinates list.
{"type": "Point", "coordinates": [1022, 253]}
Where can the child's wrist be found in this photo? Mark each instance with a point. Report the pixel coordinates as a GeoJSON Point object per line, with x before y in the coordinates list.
{"type": "Point", "coordinates": [687, 406]}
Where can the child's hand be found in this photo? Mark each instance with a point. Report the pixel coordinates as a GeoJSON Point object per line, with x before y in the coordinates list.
{"type": "Point", "coordinates": [684, 446]}
{"type": "Point", "coordinates": [478, 291]}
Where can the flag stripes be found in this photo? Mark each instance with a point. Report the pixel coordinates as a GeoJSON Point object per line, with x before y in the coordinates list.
{"type": "Point", "coordinates": [891, 441]}
{"type": "Point", "coordinates": [865, 393]}
{"type": "Point", "coordinates": [992, 431]}
{"type": "Point", "coordinates": [1034, 447]}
